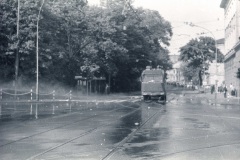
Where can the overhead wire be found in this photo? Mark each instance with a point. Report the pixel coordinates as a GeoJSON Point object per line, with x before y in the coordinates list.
{"type": "Point", "coordinates": [197, 34]}
{"type": "Point", "coordinates": [200, 22]}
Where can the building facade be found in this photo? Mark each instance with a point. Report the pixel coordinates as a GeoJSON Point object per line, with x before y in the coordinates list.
{"type": "Point", "coordinates": [232, 45]}
{"type": "Point", "coordinates": [211, 76]}
{"type": "Point", "coordinates": [175, 75]}
{"type": "Point", "coordinates": [220, 76]}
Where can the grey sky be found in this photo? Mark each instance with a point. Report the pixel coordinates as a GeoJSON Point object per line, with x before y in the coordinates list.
{"type": "Point", "coordinates": [204, 13]}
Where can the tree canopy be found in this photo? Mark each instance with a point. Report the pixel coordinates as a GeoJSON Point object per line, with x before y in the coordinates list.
{"type": "Point", "coordinates": [75, 37]}
{"type": "Point", "coordinates": [198, 54]}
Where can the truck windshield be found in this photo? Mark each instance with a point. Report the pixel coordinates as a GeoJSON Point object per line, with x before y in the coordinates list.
{"type": "Point", "coordinates": [152, 78]}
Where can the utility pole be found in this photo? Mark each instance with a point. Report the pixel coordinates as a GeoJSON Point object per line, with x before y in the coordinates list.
{"type": "Point", "coordinates": [37, 54]}
{"type": "Point", "coordinates": [17, 52]}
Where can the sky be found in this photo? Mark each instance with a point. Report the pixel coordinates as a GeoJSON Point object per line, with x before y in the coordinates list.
{"type": "Point", "coordinates": [204, 13]}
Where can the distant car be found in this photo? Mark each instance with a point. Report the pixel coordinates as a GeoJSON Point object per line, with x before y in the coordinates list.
{"type": "Point", "coordinates": [189, 86]}
{"type": "Point", "coordinates": [207, 87]}
{"type": "Point", "coordinates": [201, 89]}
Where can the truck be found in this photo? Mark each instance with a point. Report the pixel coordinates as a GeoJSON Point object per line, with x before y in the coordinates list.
{"type": "Point", "coordinates": [152, 85]}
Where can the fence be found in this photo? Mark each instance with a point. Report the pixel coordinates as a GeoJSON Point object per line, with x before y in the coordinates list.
{"type": "Point", "coordinates": [8, 94]}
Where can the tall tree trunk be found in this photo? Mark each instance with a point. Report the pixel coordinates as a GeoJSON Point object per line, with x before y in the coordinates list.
{"type": "Point", "coordinates": [69, 42]}
{"type": "Point", "coordinates": [200, 77]}
{"type": "Point", "coordinates": [109, 82]}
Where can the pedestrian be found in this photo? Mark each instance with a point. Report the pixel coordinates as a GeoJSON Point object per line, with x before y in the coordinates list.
{"type": "Point", "coordinates": [231, 89]}
{"type": "Point", "coordinates": [225, 91]}
{"type": "Point", "coordinates": [235, 92]}
{"type": "Point", "coordinates": [107, 89]}
{"type": "Point", "coordinates": [212, 89]}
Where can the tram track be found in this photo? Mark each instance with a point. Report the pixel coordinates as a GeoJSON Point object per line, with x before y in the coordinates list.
{"type": "Point", "coordinates": [82, 135]}
{"type": "Point", "coordinates": [198, 149]}
{"type": "Point", "coordinates": [59, 116]}
{"type": "Point", "coordinates": [124, 141]}
{"type": "Point", "coordinates": [65, 125]}
{"type": "Point", "coordinates": [214, 145]}
{"type": "Point", "coordinates": [91, 130]}
{"type": "Point", "coordinates": [73, 102]}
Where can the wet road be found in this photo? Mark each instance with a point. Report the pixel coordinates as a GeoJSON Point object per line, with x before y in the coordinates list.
{"type": "Point", "coordinates": [187, 127]}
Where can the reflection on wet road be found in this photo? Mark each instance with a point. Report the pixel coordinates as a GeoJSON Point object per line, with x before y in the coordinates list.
{"type": "Point", "coordinates": [189, 129]}
{"type": "Point", "coordinates": [185, 128]}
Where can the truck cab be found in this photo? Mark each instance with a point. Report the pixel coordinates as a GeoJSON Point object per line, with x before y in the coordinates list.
{"type": "Point", "coordinates": [152, 84]}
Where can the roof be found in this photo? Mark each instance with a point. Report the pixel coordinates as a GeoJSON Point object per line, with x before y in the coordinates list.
{"type": "Point", "coordinates": [224, 3]}
{"type": "Point", "coordinates": [220, 41]}
{"type": "Point", "coordinates": [177, 65]}
{"type": "Point", "coordinates": [153, 71]}
{"type": "Point", "coordinates": [93, 78]}
{"type": "Point", "coordinates": [232, 52]}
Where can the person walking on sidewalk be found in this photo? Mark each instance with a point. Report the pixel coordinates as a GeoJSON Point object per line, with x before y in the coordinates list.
{"type": "Point", "coordinates": [225, 91]}
{"type": "Point", "coordinates": [231, 90]}
{"type": "Point", "coordinates": [107, 89]}
{"type": "Point", "coordinates": [212, 89]}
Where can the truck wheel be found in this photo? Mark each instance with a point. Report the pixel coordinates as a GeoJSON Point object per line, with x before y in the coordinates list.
{"type": "Point", "coordinates": [165, 99]}
{"type": "Point", "coordinates": [145, 98]}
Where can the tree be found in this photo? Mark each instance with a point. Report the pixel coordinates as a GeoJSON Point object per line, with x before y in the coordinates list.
{"type": "Point", "coordinates": [190, 73]}
{"type": "Point", "coordinates": [198, 53]}
{"type": "Point", "coordinates": [24, 43]}
{"type": "Point", "coordinates": [7, 37]}
{"type": "Point", "coordinates": [64, 37]}
{"type": "Point", "coordinates": [74, 35]}
{"type": "Point", "coordinates": [144, 34]}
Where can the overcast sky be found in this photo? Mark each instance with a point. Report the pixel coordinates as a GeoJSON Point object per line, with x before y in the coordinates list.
{"type": "Point", "coordinates": [204, 13]}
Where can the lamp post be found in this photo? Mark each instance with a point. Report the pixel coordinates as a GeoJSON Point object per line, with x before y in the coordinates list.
{"type": "Point", "coordinates": [193, 25]}
{"type": "Point", "coordinates": [17, 52]}
{"type": "Point", "coordinates": [37, 65]}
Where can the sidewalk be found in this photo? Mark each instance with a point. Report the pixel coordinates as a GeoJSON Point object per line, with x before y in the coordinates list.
{"type": "Point", "coordinates": [230, 100]}
{"type": "Point", "coordinates": [90, 97]}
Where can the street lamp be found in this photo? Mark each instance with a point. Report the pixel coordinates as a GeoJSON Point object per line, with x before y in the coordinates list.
{"type": "Point", "coordinates": [193, 25]}
{"type": "Point", "coordinates": [37, 68]}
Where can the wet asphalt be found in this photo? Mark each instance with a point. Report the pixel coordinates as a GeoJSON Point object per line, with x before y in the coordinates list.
{"type": "Point", "coordinates": [187, 127]}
